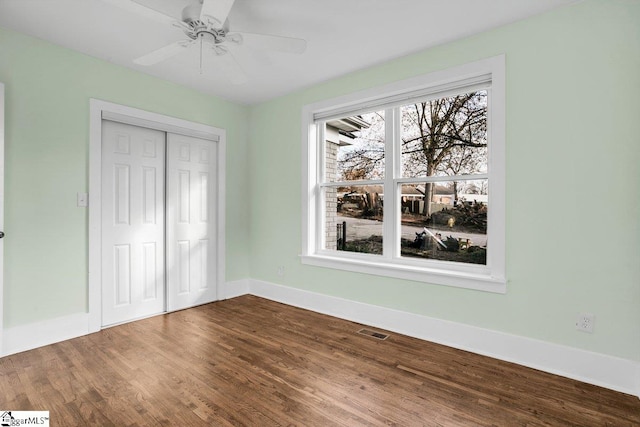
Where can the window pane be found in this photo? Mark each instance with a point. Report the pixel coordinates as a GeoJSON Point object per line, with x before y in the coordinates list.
{"type": "Point", "coordinates": [445, 137]}
{"type": "Point", "coordinates": [452, 226]}
{"type": "Point", "coordinates": [354, 218]}
{"type": "Point", "coordinates": [354, 148]}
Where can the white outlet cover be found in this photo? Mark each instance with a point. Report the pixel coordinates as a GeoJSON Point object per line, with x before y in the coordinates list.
{"type": "Point", "coordinates": [585, 322]}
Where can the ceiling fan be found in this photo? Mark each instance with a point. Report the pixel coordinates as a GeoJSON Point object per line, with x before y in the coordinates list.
{"type": "Point", "coordinates": [206, 26]}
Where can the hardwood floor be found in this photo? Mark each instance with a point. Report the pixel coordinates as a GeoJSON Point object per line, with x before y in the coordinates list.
{"type": "Point", "coordinates": [249, 361]}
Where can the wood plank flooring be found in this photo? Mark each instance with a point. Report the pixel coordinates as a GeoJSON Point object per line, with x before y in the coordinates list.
{"type": "Point", "coordinates": [249, 361]}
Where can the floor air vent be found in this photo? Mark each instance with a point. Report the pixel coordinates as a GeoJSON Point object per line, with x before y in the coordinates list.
{"type": "Point", "coordinates": [377, 335]}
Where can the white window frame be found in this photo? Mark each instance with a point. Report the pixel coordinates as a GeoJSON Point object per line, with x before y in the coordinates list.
{"type": "Point", "coordinates": [490, 277]}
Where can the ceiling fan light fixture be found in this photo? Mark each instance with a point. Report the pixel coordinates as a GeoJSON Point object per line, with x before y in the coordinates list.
{"type": "Point", "coordinates": [235, 38]}
{"type": "Point", "coordinates": [220, 50]}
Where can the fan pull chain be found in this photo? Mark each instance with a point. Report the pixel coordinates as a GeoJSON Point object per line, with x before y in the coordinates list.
{"type": "Point", "coordinates": [200, 54]}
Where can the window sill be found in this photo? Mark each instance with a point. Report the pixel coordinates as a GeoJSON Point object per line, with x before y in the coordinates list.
{"type": "Point", "coordinates": [458, 279]}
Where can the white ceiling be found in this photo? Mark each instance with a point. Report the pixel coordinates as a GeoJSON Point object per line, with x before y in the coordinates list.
{"type": "Point", "coordinates": [342, 35]}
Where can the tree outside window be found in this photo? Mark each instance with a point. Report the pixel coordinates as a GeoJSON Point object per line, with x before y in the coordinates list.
{"type": "Point", "coordinates": [440, 180]}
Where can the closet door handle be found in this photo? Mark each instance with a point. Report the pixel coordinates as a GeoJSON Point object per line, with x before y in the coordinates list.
{"type": "Point", "coordinates": [1, 234]}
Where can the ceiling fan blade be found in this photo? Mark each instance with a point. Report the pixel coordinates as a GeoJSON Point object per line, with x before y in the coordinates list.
{"type": "Point", "coordinates": [231, 68]}
{"type": "Point", "coordinates": [216, 9]}
{"type": "Point", "coordinates": [277, 43]}
{"type": "Point", "coordinates": [163, 53]}
{"type": "Point", "coordinates": [140, 10]}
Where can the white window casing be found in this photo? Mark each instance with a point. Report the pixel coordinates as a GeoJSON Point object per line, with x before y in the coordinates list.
{"type": "Point", "coordinates": [487, 74]}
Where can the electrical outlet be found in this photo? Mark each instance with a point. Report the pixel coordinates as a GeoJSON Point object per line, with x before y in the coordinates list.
{"type": "Point", "coordinates": [281, 270]}
{"type": "Point", "coordinates": [586, 322]}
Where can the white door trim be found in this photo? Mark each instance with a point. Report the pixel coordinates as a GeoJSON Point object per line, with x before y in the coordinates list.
{"type": "Point", "coordinates": [1, 212]}
{"type": "Point", "coordinates": [102, 109]}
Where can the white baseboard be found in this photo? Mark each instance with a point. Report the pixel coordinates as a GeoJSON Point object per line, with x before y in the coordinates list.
{"type": "Point", "coordinates": [33, 335]}
{"type": "Point", "coordinates": [234, 289]}
{"type": "Point", "coordinates": [594, 368]}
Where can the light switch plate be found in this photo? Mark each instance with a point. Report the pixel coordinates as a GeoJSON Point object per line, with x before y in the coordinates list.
{"type": "Point", "coordinates": [83, 200]}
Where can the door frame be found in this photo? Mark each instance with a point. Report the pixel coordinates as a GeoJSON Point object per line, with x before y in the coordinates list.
{"type": "Point", "coordinates": [103, 110]}
{"type": "Point", "coordinates": [2, 130]}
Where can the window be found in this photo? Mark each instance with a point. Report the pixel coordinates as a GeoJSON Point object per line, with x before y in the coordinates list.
{"type": "Point", "coordinates": [407, 180]}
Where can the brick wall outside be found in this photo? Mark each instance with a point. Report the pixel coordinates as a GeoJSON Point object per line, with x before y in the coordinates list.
{"type": "Point", "coordinates": [331, 200]}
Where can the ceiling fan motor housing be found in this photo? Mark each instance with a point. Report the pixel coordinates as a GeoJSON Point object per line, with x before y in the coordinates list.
{"type": "Point", "coordinates": [205, 31]}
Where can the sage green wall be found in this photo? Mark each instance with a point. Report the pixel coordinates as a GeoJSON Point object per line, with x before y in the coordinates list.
{"type": "Point", "coordinates": [573, 243]}
{"type": "Point", "coordinates": [47, 92]}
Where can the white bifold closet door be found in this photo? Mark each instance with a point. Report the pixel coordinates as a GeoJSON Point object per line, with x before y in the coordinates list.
{"type": "Point", "coordinates": [158, 222]}
{"type": "Point", "coordinates": [133, 176]}
{"type": "Point", "coordinates": [191, 218]}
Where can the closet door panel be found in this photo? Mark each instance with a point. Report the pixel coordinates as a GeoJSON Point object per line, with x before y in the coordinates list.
{"type": "Point", "coordinates": [191, 223]}
{"type": "Point", "coordinates": [133, 175]}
